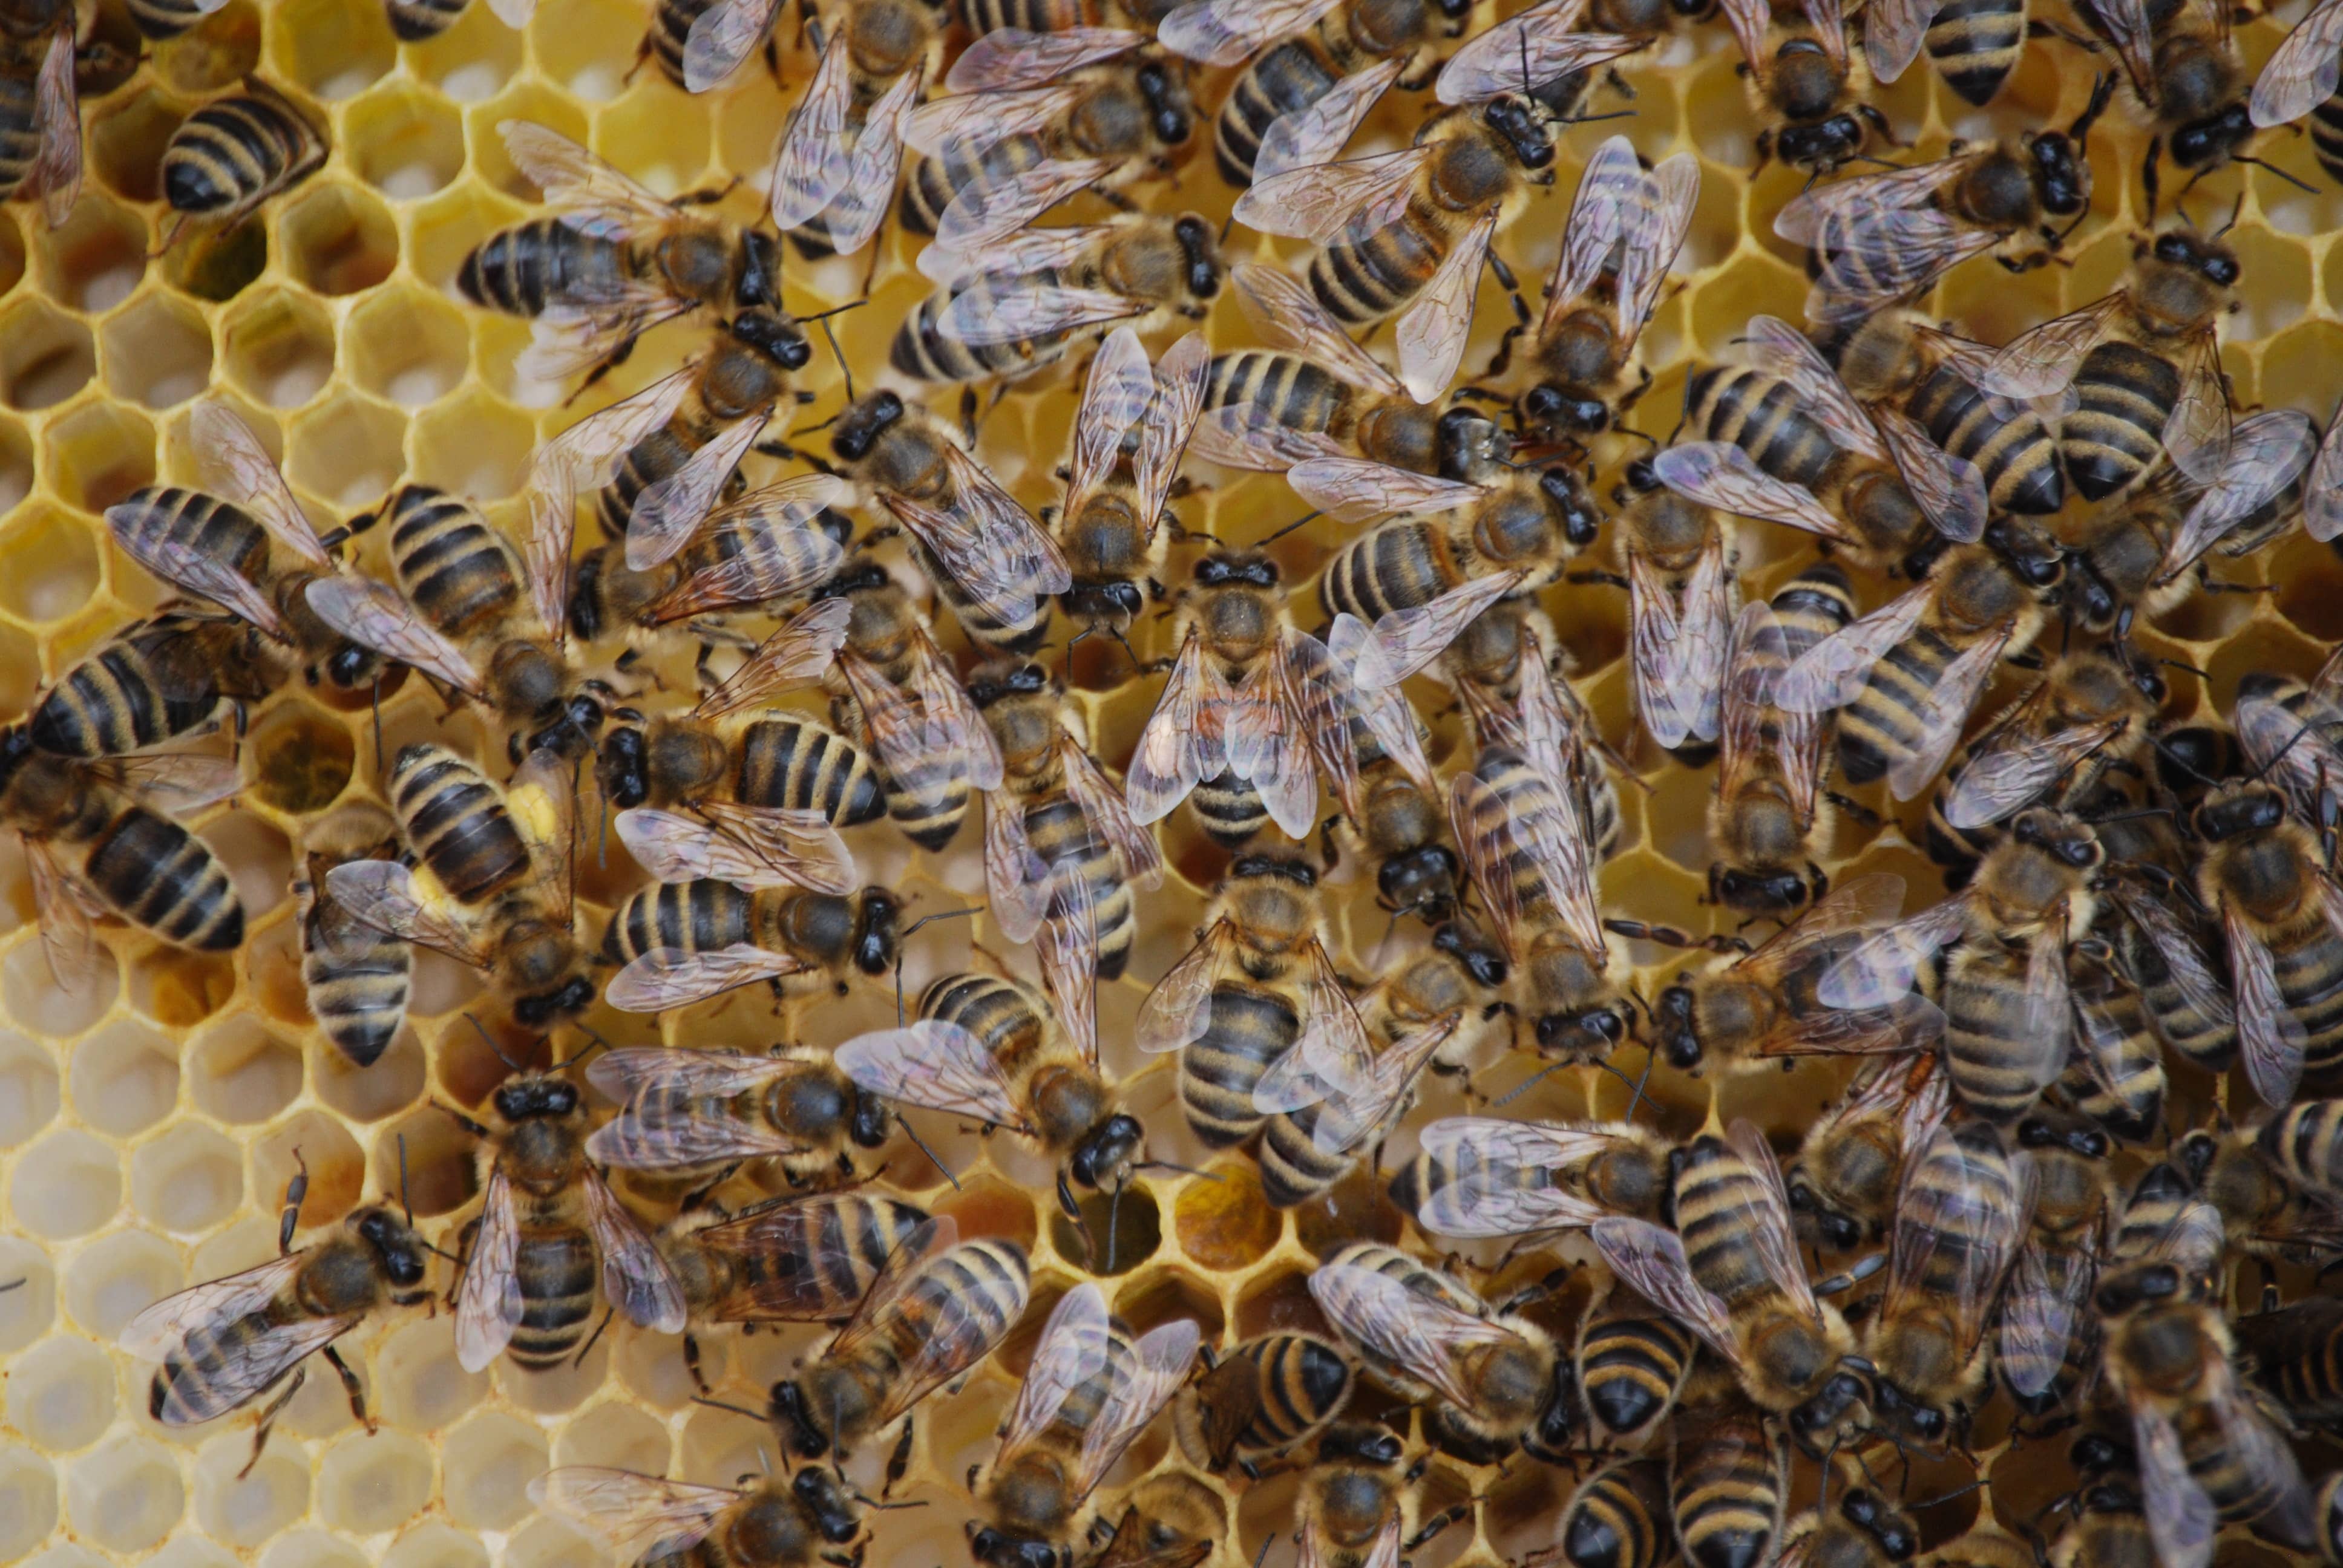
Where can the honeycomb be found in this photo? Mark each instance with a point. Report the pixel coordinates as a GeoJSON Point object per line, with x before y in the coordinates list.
{"type": "Point", "coordinates": [147, 1128]}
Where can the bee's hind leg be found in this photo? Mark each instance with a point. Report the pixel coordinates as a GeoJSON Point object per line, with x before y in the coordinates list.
{"type": "Point", "coordinates": [268, 1420]}
{"type": "Point", "coordinates": [351, 1387]}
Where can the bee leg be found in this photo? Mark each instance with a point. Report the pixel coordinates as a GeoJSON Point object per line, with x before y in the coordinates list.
{"type": "Point", "coordinates": [1671, 936]}
{"type": "Point", "coordinates": [1512, 288]}
{"type": "Point", "coordinates": [1617, 82]}
{"type": "Point", "coordinates": [1878, 122]}
{"type": "Point", "coordinates": [351, 1387]}
{"type": "Point", "coordinates": [898, 1462]}
{"type": "Point", "coordinates": [1114, 199]}
{"type": "Point", "coordinates": [1438, 1523]}
{"type": "Point", "coordinates": [691, 1361]}
{"type": "Point", "coordinates": [268, 1419]}
{"type": "Point", "coordinates": [1853, 808]}
{"type": "Point", "coordinates": [1607, 579]}
{"type": "Point", "coordinates": [2148, 173]}
{"type": "Point", "coordinates": [464, 1121]}
{"type": "Point", "coordinates": [296, 1191]}
{"type": "Point", "coordinates": [617, 356]}
{"type": "Point", "coordinates": [607, 1314]}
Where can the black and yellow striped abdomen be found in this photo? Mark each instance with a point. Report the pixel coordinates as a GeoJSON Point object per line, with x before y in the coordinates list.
{"type": "Point", "coordinates": [670, 26]}
{"type": "Point", "coordinates": [2122, 395]}
{"type": "Point", "coordinates": [696, 917]}
{"type": "Point", "coordinates": [1715, 1192]}
{"type": "Point", "coordinates": [1001, 1013]}
{"type": "Point", "coordinates": [1293, 1169]}
{"type": "Point", "coordinates": [2017, 453]}
{"type": "Point", "coordinates": [156, 679]}
{"type": "Point", "coordinates": [1976, 45]}
{"type": "Point", "coordinates": [1609, 1521]}
{"type": "Point", "coordinates": [156, 874]}
{"type": "Point", "coordinates": [2208, 1040]}
{"type": "Point", "coordinates": [2120, 1083]}
{"type": "Point", "coordinates": [1995, 1055]}
{"type": "Point", "coordinates": [451, 563]}
{"type": "Point", "coordinates": [1763, 416]}
{"type": "Point", "coordinates": [790, 764]}
{"type": "Point", "coordinates": [1303, 1382]}
{"type": "Point", "coordinates": [1632, 1366]}
{"type": "Point", "coordinates": [935, 181]}
{"type": "Point", "coordinates": [1885, 721]}
{"type": "Point", "coordinates": [162, 19]}
{"type": "Point", "coordinates": [1725, 1490]}
{"type": "Point", "coordinates": [925, 354]}
{"type": "Point", "coordinates": [1299, 394]}
{"type": "Point", "coordinates": [555, 1267]}
{"type": "Point", "coordinates": [1286, 80]}
{"type": "Point", "coordinates": [1398, 565]}
{"type": "Point", "coordinates": [2309, 971]}
{"type": "Point", "coordinates": [20, 130]}
{"type": "Point", "coordinates": [1250, 1028]}
{"type": "Point", "coordinates": [2297, 1354]}
{"type": "Point", "coordinates": [2327, 136]}
{"type": "Point", "coordinates": [1062, 836]}
{"type": "Point", "coordinates": [236, 152]}
{"type": "Point", "coordinates": [1229, 809]}
{"type": "Point", "coordinates": [1366, 280]}
{"type": "Point", "coordinates": [455, 821]}
{"type": "Point", "coordinates": [522, 269]}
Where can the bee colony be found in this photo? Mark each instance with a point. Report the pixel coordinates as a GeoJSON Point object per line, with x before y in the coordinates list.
{"type": "Point", "coordinates": [1632, 676]}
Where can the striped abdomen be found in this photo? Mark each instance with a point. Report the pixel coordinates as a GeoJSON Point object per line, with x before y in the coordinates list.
{"type": "Point", "coordinates": [20, 130]}
{"type": "Point", "coordinates": [236, 152]}
{"type": "Point", "coordinates": [150, 683]}
{"type": "Point", "coordinates": [656, 457]}
{"type": "Point", "coordinates": [1010, 635]}
{"type": "Point", "coordinates": [451, 563]}
{"type": "Point", "coordinates": [2119, 1083]}
{"type": "Point", "coordinates": [2297, 1354]}
{"type": "Point", "coordinates": [1715, 1190]}
{"type": "Point", "coordinates": [186, 1388]}
{"type": "Point", "coordinates": [1610, 1521]}
{"type": "Point", "coordinates": [2018, 454]}
{"type": "Point", "coordinates": [1290, 77]}
{"type": "Point", "coordinates": [156, 874]}
{"type": "Point", "coordinates": [522, 269]}
{"type": "Point", "coordinates": [928, 801]}
{"type": "Point", "coordinates": [1764, 416]}
{"type": "Point", "coordinates": [1365, 280]}
{"type": "Point", "coordinates": [161, 19]}
{"type": "Point", "coordinates": [670, 26]}
{"type": "Point", "coordinates": [418, 21]}
{"type": "Point", "coordinates": [1001, 1013]}
{"type": "Point", "coordinates": [2122, 395]}
{"type": "Point", "coordinates": [2309, 970]}
{"type": "Point", "coordinates": [2209, 1041]}
{"type": "Point", "coordinates": [959, 1301]}
{"type": "Point", "coordinates": [455, 823]}
{"type": "Point", "coordinates": [1725, 1488]}
{"type": "Point", "coordinates": [1632, 1366]}
{"type": "Point", "coordinates": [1398, 565]}
{"type": "Point", "coordinates": [1293, 1169]}
{"type": "Point", "coordinates": [2079, 1356]}
{"type": "Point", "coordinates": [1394, 1264]}
{"type": "Point", "coordinates": [1298, 393]}
{"type": "Point", "coordinates": [935, 181]}
{"type": "Point", "coordinates": [1976, 45]}
{"type": "Point", "coordinates": [1884, 722]}
{"type": "Point", "coordinates": [1061, 835]}
{"type": "Point", "coordinates": [2327, 136]}
{"type": "Point", "coordinates": [1250, 1028]}
{"type": "Point", "coordinates": [696, 917]}
{"type": "Point", "coordinates": [357, 979]}
{"type": "Point", "coordinates": [1994, 1053]}
{"type": "Point", "coordinates": [1303, 1382]}
{"type": "Point", "coordinates": [922, 352]}
{"type": "Point", "coordinates": [555, 1268]}
{"type": "Point", "coordinates": [198, 524]}
{"type": "Point", "coordinates": [1229, 809]}
{"type": "Point", "coordinates": [1032, 15]}
{"type": "Point", "coordinates": [791, 764]}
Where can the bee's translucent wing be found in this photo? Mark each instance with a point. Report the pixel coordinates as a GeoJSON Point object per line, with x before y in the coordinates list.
{"type": "Point", "coordinates": [488, 1302]}
{"type": "Point", "coordinates": [933, 1064]}
{"type": "Point", "coordinates": [640, 1515]}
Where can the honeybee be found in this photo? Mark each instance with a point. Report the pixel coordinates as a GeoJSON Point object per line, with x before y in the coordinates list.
{"type": "Point", "coordinates": [778, 1524]}
{"type": "Point", "coordinates": [786, 1260]}
{"type": "Point", "coordinates": [2283, 917]}
{"type": "Point", "coordinates": [700, 1111]}
{"type": "Point", "coordinates": [2047, 1342]}
{"type": "Point", "coordinates": [475, 615]}
{"type": "Point", "coordinates": [1770, 816]}
{"type": "Point", "coordinates": [2114, 1074]}
{"type": "Point", "coordinates": [1033, 119]}
{"type": "Point", "coordinates": [1974, 47]}
{"type": "Point", "coordinates": [222, 1344]}
{"type": "Point", "coordinates": [2089, 713]}
{"type": "Point", "coordinates": [2302, 1141]}
{"type": "Point", "coordinates": [160, 676]}
{"type": "Point", "coordinates": [1728, 1478]}
{"type": "Point", "coordinates": [1313, 69]}
{"type": "Point", "coordinates": [233, 154]}
{"type": "Point", "coordinates": [1306, 1148]}
{"type": "Point", "coordinates": [1907, 674]}
{"type": "Point", "coordinates": [683, 942]}
{"type": "Point", "coordinates": [2292, 1353]}
{"type": "Point", "coordinates": [1626, 224]}
{"type": "Point", "coordinates": [2267, 1211]}
{"type": "Point", "coordinates": [41, 106]}
{"type": "Point", "coordinates": [1408, 231]}
{"type": "Point", "coordinates": [1876, 240]}
{"type": "Point", "coordinates": [2161, 952]}
{"type": "Point", "coordinates": [982, 1049]}
{"type": "Point", "coordinates": [1549, 50]}
{"type": "Point", "coordinates": [355, 976]}
{"type": "Point", "coordinates": [1730, 1272]}
{"type": "Point", "coordinates": [1170, 1520]}
{"type": "Point", "coordinates": [2133, 558]}
{"type": "Point", "coordinates": [2144, 365]}
{"type": "Point", "coordinates": [896, 688]}
{"type": "Point", "coordinates": [547, 1224]}
{"type": "Point", "coordinates": [1261, 1400]}
{"type": "Point", "coordinates": [2185, 71]}
{"type": "Point", "coordinates": [495, 889]}
{"type": "Point", "coordinates": [2291, 731]}
{"type": "Point", "coordinates": [1787, 445]}
{"type": "Point", "coordinates": [1491, 1380]}
{"type": "Point", "coordinates": [842, 151]}
{"type": "Point", "coordinates": [1801, 83]}
{"type": "Point", "coordinates": [1090, 1391]}
{"type": "Point", "coordinates": [935, 1310]}
{"type": "Point", "coordinates": [1843, 1180]}
{"type": "Point", "coordinates": [94, 848]}
{"type": "Point", "coordinates": [1257, 990]}
{"type": "Point", "coordinates": [1477, 1176]}
{"type": "Point", "coordinates": [2299, 78]}
{"type": "Point", "coordinates": [250, 549]}
{"type": "Point", "coordinates": [1112, 527]}
{"type": "Point", "coordinates": [1959, 1219]}
{"type": "Point", "coordinates": [989, 560]}
{"type": "Point", "coordinates": [1865, 1531]}
{"type": "Point", "coordinates": [608, 262]}
{"type": "Point", "coordinates": [1635, 1363]}
{"type": "Point", "coordinates": [1770, 1004]}
{"type": "Point", "coordinates": [1516, 694]}
{"type": "Point", "coordinates": [1617, 1518]}
{"type": "Point", "coordinates": [1314, 393]}
{"type": "Point", "coordinates": [1028, 301]}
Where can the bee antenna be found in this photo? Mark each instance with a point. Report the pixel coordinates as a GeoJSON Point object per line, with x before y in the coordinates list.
{"type": "Point", "coordinates": [2199, 674]}
{"type": "Point", "coordinates": [1517, 1090]}
{"type": "Point", "coordinates": [735, 1410]}
{"type": "Point", "coordinates": [2238, 210]}
{"type": "Point", "coordinates": [403, 1203]}
{"type": "Point", "coordinates": [481, 1031]}
{"type": "Point", "coordinates": [1174, 1165]}
{"type": "Point", "coordinates": [600, 1044]}
{"type": "Point", "coordinates": [1289, 527]}
{"type": "Point", "coordinates": [1259, 1557]}
{"type": "Point", "coordinates": [1947, 1497]}
{"type": "Point", "coordinates": [1114, 1220]}
{"type": "Point", "coordinates": [835, 352]}
{"type": "Point", "coordinates": [912, 1132]}
{"type": "Point", "coordinates": [2271, 168]}
{"type": "Point", "coordinates": [2180, 762]}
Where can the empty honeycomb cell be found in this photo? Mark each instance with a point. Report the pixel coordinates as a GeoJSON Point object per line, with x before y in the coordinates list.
{"type": "Point", "coordinates": [12, 250]}
{"type": "Point", "coordinates": [337, 239]}
{"type": "Point", "coordinates": [406, 141]}
{"type": "Point", "coordinates": [2280, 288]}
{"type": "Point", "coordinates": [99, 453]}
{"type": "Point", "coordinates": [246, 1510]}
{"type": "Point", "coordinates": [243, 1073]}
{"type": "Point", "coordinates": [559, 1390]}
{"type": "Point", "coordinates": [126, 1495]}
{"type": "Point", "coordinates": [126, 1078]}
{"type": "Point", "coordinates": [366, 1484]}
{"type": "Point", "coordinates": [337, 1167]}
{"type": "Point", "coordinates": [2309, 582]}
{"type": "Point", "coordinates": [651, 1367]}
{"type": "Point", "coordinates": [497, 348]}
{"type": "Point", "coordinates": [178, 987]}
{"type": "Point", "coordinates": [46, 356]}
{"type": "Point", "coordinates": [2207, 617]}
{"type": "Point", "coordinates": [590, 55]}
{"type": "Point", "coordinates": [662, 142]}
{"type": "Point", "coordinates": [348, 450]}
{"type": "Point", "coordinates": [190, 1551]}
{"type": "Point", "coordinates": [547, 1542]}
{"type": "Point", "coordinates": [748, 136]}
{"type": "Point", "coordinates": [15, 465]}
{"type": "Point", "coordinates": [408, 348]}
{"type": "Point", "coordinates": [473, 445]}
{"type": "Point", "coordinates": [188, 1179]}
{"type": "Point", "coordinates": [214, 54]}
{"type": "Point", "coordinates": [280, 347]}
{"type": "Point", "coordinates": [2298, 368]}
{"type": "Point", "coordinates": [1752, 286]}
{"type": "Point", "coordinates": [471, 61]}
{"type": "Point", "coordinates": [33, 997]}
{"type": "Point", "coordinates": [28, 1501]}
{"type": "Point", "coordinates": [422, 1385]}
{"type": "Point", "coordinates": [125, 140]}
{"type": "Point", "coordinates": [469, 1066]}
{"type": "Point", "coordinates": [109, 1281]}
{"type": "Point", "coordinates": [718, 1443]}
{"type": "Point", "coordinates": [219, 264]}
{"type": "Point", "coordinates": [257, 857]}
{"type": "Point", "coordinates": [615, 1434]}
{"type": "Point", "coordinates": [311, 1548]}
{"type": "Point", "coordinates": [300, 759]}
{"type": "Point", "coordinates": [332, 49]}
{"type": "Point", "coordinates": [369, 1093]}
{"type": "Point", "coordinates": [158, 352]}
{"type": "Point", "coordinates": [61, 1393]}
{"type": "Point", "coordinates": [95, 262]}
{"type": "Point", "coordinates": [28, 1089]}
{"type": "Point", "coordinates": [435, 1545]}
{"type": "Point", "coordinates": [490, 1462]}
{"type": "Point", "coordinates": [440, 1171]}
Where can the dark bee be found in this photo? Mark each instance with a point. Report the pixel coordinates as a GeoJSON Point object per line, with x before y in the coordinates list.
{"type": "Point", "coordinates": [799, 1522]}
{"type": "Point", "coordinates": [1801, 83]}
{"type": "Point", "coordinates": [1634, 1362]}
{"type": "Point", "coordinates": [697, 1111]}
{"type": "Point", "coordinates": [2263, 872]}
{"type": "Point", "coordinates": [235, 153]}
{"type": "Point", "coordinates": [357, 978]}
{"type": "Point", "coordinates": [2306, 1142]}
{"type": "Point", "coordinates": [2186, 72]}
{"type": "Point", "coordinates": [1618, 1518]}
{"type": "Point", "coordinates": [1261, 1400]}
{"type": "Point", "coordinates": [2048, 1340]}
{"type": "Point", "coordinates": [1727, 1483]}
{"type": "Point", "coordinates": [1843, 1181]}
{"type": "Point", "coordinates": [682, 942]}
{"type": "Point", "coordinates": [1478, 1176]}
{"type": "Point", "coordinates": [2296, 1352]}
{"type": "Point", "coordinates": [2267, 1211]}
{"type": "Point", "coordinates": [842, 152]}
{"type": "Point", "coordinates": [156, 679]}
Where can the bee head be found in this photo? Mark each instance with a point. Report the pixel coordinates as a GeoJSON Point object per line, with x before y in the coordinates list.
{"type": "Point", "coordinates": [859, 428]}
{"type": "Point", "coordinates": [1468, 443]}
{"type": "Point", "coordinates": [1108, 1151]}
{"type": "Point", "coordinates": [623, 770]}
{"type": "Point", "coordinates": [1115, 602]}
{"type": "Point", "coordinates": [1894, 1407]}
{"type": "Point", "coordinates": [1840, 1232]}
{"type": "Point", "coordinates": [995, 683]}
{"type": "Point", "coordinates": [1673, 1021]}
{"type": "Point", "coordinates": [2066, 839]}
{"type": "Point", "coordinates": [760, 272]}
{"type": "Point", "coordinates": [2081, 1139]}
{"type": "Point", "coordinates": [1485, 963]}
{"type": "Point", "coordinates": [2037, 558]}
{"type": "Point", "coordinates": [1867, 1513]}
{"type": "Point", "coordinates": [1814, 1421]}
{"type": "Point", "coordinates": [1823, 146]}
{"type": "Point", "coordinates": [1422, 882]}
{"type": "Point", "coordinates": [1554, 1432]}
{"type": "Point", "coordinates": [2137, 1287]}
{"type": "Point", "coordinates": [1522, 126]}
{"type": "Point", "coordinates": [877, 932]}
{"type": "Point", "coordinates": [871, 1124]}
{"type": "Point", "coordinates": [2206, 142]}
{"type": "Point", "coordinates": [793, 1419]}
{"type": "Point", "coordinates": [1167, 103]}
{"type": "Point", "coordinates": [776, 336]}
{"type": "Point", "coordinates": [1292, 868]}
{"type": "Point", "coordinates": [404, 1260]}
{"type": "Point", "coordinates": [819, 1492]}
{"type": "Point", "coordinates": [2196, 252]}
{"type": "Point", "coordinates": [2095, 1453]}
{"type": "Point", "coordinates": [533, 1096]}
{"type": "Point", "coordinates": [999, 1549]}
{"type": "Point", "coordinates": [1248, 568]}
{"type": "Point", "coordinates": [1589, 1034]}
{"type": "Point", "coordinates": [1551, 408]}
{"type": "Point", "coordinates": [1363, 1445]}
{"type": "Point", "coordinates": [349, 667]}
{"type": "Point", "coordinates": [1201, 254]}
{"type": "Point", "coordinates": [1760, 892]}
